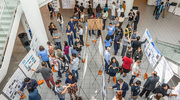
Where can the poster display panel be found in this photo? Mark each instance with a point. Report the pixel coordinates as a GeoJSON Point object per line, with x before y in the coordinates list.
{"type": "Point", "coordinates": [101, 2]}
{"type": "Point", "coordinates": [85, 3]}
{"type": "Point", "coordinates": [34, 45]}
{"type": "Point", "coordinates": [68, 4]}
{"type": "Point", "coordinates": [55, 4]}
{"type": "Point", "coordinates": [14, 84]}
{"type": "Point", "coordinates": [149, 39]}
{"type": "Point", "coordinates": [164, 71]}
{"type": "Point", "coordinates": [152, 54]}
{"type": "Point", "coordinates": [30, 61]}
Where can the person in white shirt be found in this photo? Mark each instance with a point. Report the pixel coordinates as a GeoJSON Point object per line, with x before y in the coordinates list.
{"type": "Point", "coordinates": [120, 10]}
{"type": "Point", "coordinates": [75, 64]}
{"type": "Point", "coordinates": [135, 71]}
{"type": "Point", "coordinates": [60, 21]}
{"type": "Point", "coordinates": [107, 58]}
{"type": "Point", "coordinates": [121, 19]}
{"type": "Point", "coordinates": [113, 8]}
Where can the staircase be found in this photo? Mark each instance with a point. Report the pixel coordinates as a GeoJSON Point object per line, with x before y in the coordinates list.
{"type": "Point", "coordinates": [6, 17]}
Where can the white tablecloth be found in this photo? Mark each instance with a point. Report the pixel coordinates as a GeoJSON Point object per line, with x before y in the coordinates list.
{"type": "Point", "coordinates": [177, 11]}
{"type": "Point", "coordinates": [171, 9]}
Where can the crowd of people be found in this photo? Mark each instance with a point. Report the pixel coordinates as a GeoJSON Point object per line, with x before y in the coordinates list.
{"type": "Point", "coordinates": [61, 59]}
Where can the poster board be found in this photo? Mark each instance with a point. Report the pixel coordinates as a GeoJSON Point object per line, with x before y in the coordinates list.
{"type": "Point", "coordinates": [85, 3]}
{"type": "Point", "coordinates": [85, 66]}
{"type": "Point", "coordinates": [68, 4]}
{"type": "Point", "coordinates": [164, 71]}
{"type": "Point", "coordinates": [2, 97]}
{"type": "Point", "coordinates": [34, 45]}
{"type": "Point", "coordinates": [117, 3]}
{"type": "Point", "coordinates": [153, 54]}
{"type": "Point", "coordinates": [56, 5]}
{"type": "Point", "coordinates": [149, 39]}
{"type": "Point", "coordinates": [30, 61]}
{"type": "Point", "coordinates": [95, 24]}
{"type": "Point", "coordinates": [175, 91]}
{"type": "Point", "coordinates": [101, 2]}
{"type": "Point", "coordinates": [103, 90]}
{"type": "Point", "coordinates": [100, 47]}
{"type": "Point", "coordinates": [14, 84]}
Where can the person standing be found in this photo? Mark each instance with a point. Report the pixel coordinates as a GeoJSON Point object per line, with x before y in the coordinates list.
{"type": "Point", "coordinates": [127, 61]}
{"type": "Point", "coordinates": [56, 37]}
{"type": "Point", "coordinates": [157, 3]}
{"type": "Point", "coordinates": [114, 64]}
{"type": "Point", "coordinates": [46, 73]}
{"type": "Point", "coordinates": [107, 58]}
{"type": "Point", "coordinates": [125, 42]}
{"type": "Point", "coordinates": [75, 64]}
{"type": "Point", "coordinates": [33, 94]}
{"type": "Point", "coordinates": [138, 54]}
{"type": "Point", "coordinates": [106, 7]}
{"type": "Point", "coordinates": [122, 86]}
{"type": "Point", "coordinates": [116, 23]}
{"type": "Point", "coordinates": [72, 25]}
{"type": "Point", "coordinates": [60, 90]}
{"type": "Point", "coordinates": [28, 82]}
{"type": "Point", "coordinates": [111, 30]}
{"type": "Point", "coordinates": [81, 8]}
{"type": "Point", "coordinates": [135, 89]}
{"type": "Point", "coordinates": [81, 34]}
{"type": "Point", "coordinates": [166, 8]}
{"type": "Point", "coordinates": [69, 33]}
{"type": "Point", "coordinates": [91, 17]}
{"type": "Point", "coordinates": [120, 10]}
{"type": "Point", "coordinates": [135, 71]}
{"type": "Point", "coordinates": [131, 16]}
{"type": "Point", "coordinates": [56, 63]}
{"type": "Point", "coordinates": [116, 43]}
{"type": "Point", "coordinates": [78, 45]}
{"type": "Point", "coordinates": [136, 20]}
{"type": "Point", "coordinates": [51, 28]}
{"type": "Point", "coordinates": [133, 37]}
{"type": "Point", "coordinates": [107, 41]}
{"type": "Point", "coordinates": [64, 65]}
{"type": "Point", "coordinates": [66, 50]}
{"type": "Point", "coordinates": [76, 19]}
{"type": "Point", "coordinates": [121, 19]}
{"type": "Point", "coordinates": [160, 8]}
{"type": "Point", "coordinates": [51, 48]}
{"type": "Point", "coordinates": [51, 10]}
{"type": "Point", "coordinates": [150, 84]}
{"type": "Point", "coordinates": [128, 30]}
{"type": "Point", "coordinates": [44, 55]}
{"type": "Point", "coordinates": [60, 21]}
{"type": "Point", "coordinates": [113, 8]}
{"type": "Point", "coordinates": [124, 6]}
{"type": "Point", "coordinates": [104, 17]}
{"type": "Point", "coordinates": [98, 11]}
{"type": "Point", "coordinates": [90, 11]}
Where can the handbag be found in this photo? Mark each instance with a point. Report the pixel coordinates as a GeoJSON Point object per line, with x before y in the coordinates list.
{"type": "Point", "coordinates": [112, 70]}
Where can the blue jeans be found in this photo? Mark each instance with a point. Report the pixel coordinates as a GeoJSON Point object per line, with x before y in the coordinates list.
{"type": "Point", "coordinates": [112, 17]}
{"type": "Point", "coordinates": [68, 58]}
{"type": "Point", "coordinates": [98, 15]}
{"type": "Point", "coordinates": [70, 40]}
{"type": "Point", "coordinates": [59, 73]}
{"type": "Point", "coordinates": [60, 98]}
{"type": "Point", "coordinates": [74, 31]}
{"type": "Point", "coordinates": [116, 47]}
{"type": "Point", "coordinates": [51, 14]}
{"type": "Point", "coordinates": [75, 72]}
{"type": "Point", "coordinates": [90, 32]}
{"type": "Point", "coordinates": [157, 16]}
{"type": "Point", "coordinates": [59, 45]}
{"type": "Point", "coordinates": [61, 26]}
{"type": "Point", "coordinates": [132, 79]}
{"type": "Point", "coordinates": [106, 66]}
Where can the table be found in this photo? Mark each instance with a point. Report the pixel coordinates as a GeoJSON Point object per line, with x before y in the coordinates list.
{"type": "Point", "coordinates": [177, 11]}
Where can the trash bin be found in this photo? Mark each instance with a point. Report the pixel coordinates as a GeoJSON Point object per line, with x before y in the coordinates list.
{"type": "Point", "coordinates": [25, 41]}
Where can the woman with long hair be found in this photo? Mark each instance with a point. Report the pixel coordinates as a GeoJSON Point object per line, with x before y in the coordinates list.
{"type": "Point", "coordinates": [113, 68]}
{"type": "Point", "coordinates": [60, 21]}
{"type": "Point", "coordinates": [51, 28]}
{"type": "Point", "coordinates": [66, 50]}
{"type": "Point", "coordinates": [64, 65]}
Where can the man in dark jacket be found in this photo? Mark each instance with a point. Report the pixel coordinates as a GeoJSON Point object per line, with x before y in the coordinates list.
{"type": "Point", "coordinates": [150, 84]}
{"type": "Point", "coordinates": [137, 44]}
{"type": "Point", "coordinates": [122, 86]}
{"type": "Point", "coordinates": [164, 88]}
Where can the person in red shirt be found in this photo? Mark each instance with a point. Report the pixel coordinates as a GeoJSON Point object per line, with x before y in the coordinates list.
{"type": "Point", "coordinates": [127, 61]}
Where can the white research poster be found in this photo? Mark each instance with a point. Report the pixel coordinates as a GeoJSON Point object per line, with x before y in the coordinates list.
{"type": "Point", "coordinates": [103, 90]}
{"type": "Point", "coordinates": [175, 91]}
{"type": "Point", "coordinates": [100, 47]}
{"type": "Point", "coordinates": [14, 84]}
{"type": "Point", "coordinates": [149, 39]}
{"type": "Point", "coordinates": [35, 45]}
{"type": "Point", "coordinates": [101, 2]}
{"type": "Point", "coordinates": [117, 3]}
{"type": "Point", "coordinates": [153, 54]}
{"type": "Point", "coordinates": [68, 4]}
{"type": "Point", "coordinates": [30, 61]}
{"type": "Point", "coordinates": [164, 71]}
{"type": "Point", "coordinates": [85, 3]}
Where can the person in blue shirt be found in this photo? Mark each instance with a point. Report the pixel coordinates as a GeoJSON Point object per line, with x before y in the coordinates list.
{"type": "Point", "coordinates": [157, 3]}
{"type": "Point", "coordinates": [166, 8]}
{"type": "Point", "coordinates": [116, 43]}
{"type": "Point", "coordinates": [69, 33]}
{"type": "Point", "coordinates": [111, 30]}
{"type": "Point", "coordinates": [122, 86]}
{"type": "Point", "coordinates": [73, 50]}
{"type": "Point", "coordinates": [160, 8]}
{"type": "Point", "coordinates": [28, 82]}
{"type": "Point", "coordinates": [44, 55]}
{"type": "Point", "coordinates": [107, 41]}
{"type": "Point", "coordinates": [33, 94]}
{"type": "Point", "coordinates": [133, 37]}
{"type": "Point", "coordinates": [72, 25]}
{"type": "Point", "coordinates": [135, 89]}
{"type": "Point", "coordinates": [106, 7]}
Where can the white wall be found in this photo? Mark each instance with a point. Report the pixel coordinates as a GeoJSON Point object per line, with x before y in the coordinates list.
{"type": "Point", "coordinates": [151, 2]}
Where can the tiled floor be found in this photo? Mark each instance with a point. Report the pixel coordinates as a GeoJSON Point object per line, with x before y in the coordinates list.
{"type": "Point", "coordinates": [167, 28]}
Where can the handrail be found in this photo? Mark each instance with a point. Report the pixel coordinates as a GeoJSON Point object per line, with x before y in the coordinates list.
{"type": "Point", "coordinates": [2, 9]}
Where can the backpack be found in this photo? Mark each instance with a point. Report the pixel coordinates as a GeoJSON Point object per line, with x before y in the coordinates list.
{"type": "Point", "coordinates": [157, 89]}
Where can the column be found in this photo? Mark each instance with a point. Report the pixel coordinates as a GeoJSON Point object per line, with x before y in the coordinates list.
{"type": "Point", "coordinates": [129, 5]}
{"type": "Point", "coordinates": [34, 19]}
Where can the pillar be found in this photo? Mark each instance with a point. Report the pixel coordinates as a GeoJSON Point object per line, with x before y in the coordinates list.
{"type": "Point", "coordinates": [34, 19]}
{"type": "Point", "coordinates": [129, 5]}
